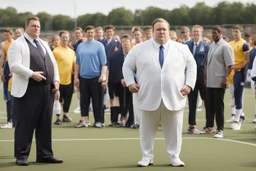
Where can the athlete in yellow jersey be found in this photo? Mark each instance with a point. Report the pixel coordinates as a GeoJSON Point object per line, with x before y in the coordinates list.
{"type": "Point", "coordinates": [6, 75]}
{"type": "Point", "coordinates": [238, 74]}
{"type": "Point", "coordinates": [65, 58]}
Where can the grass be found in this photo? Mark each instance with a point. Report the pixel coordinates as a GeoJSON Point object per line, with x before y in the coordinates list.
{"type": "Point", "coordinates": [102, 149]}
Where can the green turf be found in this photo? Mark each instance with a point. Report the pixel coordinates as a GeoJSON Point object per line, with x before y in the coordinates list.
{"type": "Point", "coordinates": [95, 149]}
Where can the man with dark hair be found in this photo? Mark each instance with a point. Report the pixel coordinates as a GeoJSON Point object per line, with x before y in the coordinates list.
{"type": "Point", "coordinates": [35, 80]}
{"type": "Point", "coordinates": [218, 66]}
{"type": "Point", "coordinates": [112, 46]}
{"type": "Point", "coordinates": [138, 36]}
{"type": "Point", "coordinates": [78, 31]}
{"type": "Point", "coordinates": [199, 49]}
{"type": "Point", "coordinates": [65, 58]}
{"type": "Point", "coordinates": [248, 38]}
{"type": "Point", "coordinates": [90, 76]}
{"type": "Point", "coordinates": [126, 42]}
{"type": "Point", "coordinates": [237, 76]}
{"type": "Point", "coordinates": [162, 86]}
{"type": "Point", "coordinates": [147, 32]}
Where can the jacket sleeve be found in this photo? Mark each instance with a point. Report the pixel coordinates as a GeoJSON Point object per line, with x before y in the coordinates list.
{"type": "Point", "coordinates": [191, 68]}
{"type": "Point", "coordinates": [15, 59]}
{"type": "Point", "coordinates": [129, 67]}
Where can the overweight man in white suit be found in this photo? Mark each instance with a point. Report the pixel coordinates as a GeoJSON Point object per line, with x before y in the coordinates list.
{"type": "Point", "coordinates": [165, 74]}
{"type": "Point", "coordinates": [35, 83]}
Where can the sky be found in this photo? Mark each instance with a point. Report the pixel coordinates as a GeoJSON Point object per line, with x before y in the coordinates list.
{"type": "Point", "coordinates": [68, 7]}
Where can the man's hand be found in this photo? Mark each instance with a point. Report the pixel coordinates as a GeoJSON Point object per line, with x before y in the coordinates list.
{"type": "Point", "coordinates": [185, 90]}
{"type": "Point", "coordinates": [2, 78]}
{"type": "Point", "coordinates": [37, 76]}
{"type": "Point", "coordinates": [104, 84]}
{"type": "Point", "coordinates": [235, 68]}
{"type": "Point", "coordinates": [134, 88]}
{"type": "Point", "coordinates": [123, 83]}
{"type": "Point", "coordinates": [76, 82]}
{"type": "Point", "coordinates": [102, 78]}
{"type": "Point", "coordinates": [56, 86]}
{"type": "Point", "coordinates": [57, 95]}
{"type": "Point", "coordinates": [225, 83]}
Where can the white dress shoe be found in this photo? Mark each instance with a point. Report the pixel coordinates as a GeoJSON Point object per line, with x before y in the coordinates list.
{"type": "Point", "coordinates": [177, 163]}
{"type": "Point", "coordinates": [145, 162]}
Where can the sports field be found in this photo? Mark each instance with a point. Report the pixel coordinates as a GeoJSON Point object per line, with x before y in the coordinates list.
{"type": "Point", "coordinates": [117, 149]}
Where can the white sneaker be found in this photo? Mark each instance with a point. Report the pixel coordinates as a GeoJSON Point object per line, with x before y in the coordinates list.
{"type": "Point", "coordinates": [231, 119]}
{"type": "Point", "coordinates": [219, 134]}
{"type": "Point", "coordinates": [7, 126]}
{"type": "Point", "coordinates": [177, 163]}
{"type": "Point", "coordinates": [98, 125]}
{"type": "Point", "coordinates": [145, 162]}
{"type": "Point", "coordinates": [235, 126]}
{"type": "Point", "coordinates": [77, 110]}
{"type": "Point", "coordinates": [200, 108]}
{"type": "Point", "coordinates": [81, 124]}
{"type": "Point", "coordinates": [254, 120]}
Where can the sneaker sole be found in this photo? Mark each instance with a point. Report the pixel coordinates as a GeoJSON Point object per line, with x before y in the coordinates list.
{"type": "Point", "coordinates": [150, 164]}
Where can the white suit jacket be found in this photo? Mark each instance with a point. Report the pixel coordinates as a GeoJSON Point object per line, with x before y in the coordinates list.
{"type": "Point", "coordinates": [19, 63]}
{"type": "Point", "coordinates": [158, 84]}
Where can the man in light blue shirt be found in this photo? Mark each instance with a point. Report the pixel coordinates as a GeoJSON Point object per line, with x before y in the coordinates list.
{"type": "Point", "coordinates": [90, 76]}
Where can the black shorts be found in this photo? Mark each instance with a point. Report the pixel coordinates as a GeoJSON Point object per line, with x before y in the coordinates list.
{"type": "Point", "coordinates": [114, 89]}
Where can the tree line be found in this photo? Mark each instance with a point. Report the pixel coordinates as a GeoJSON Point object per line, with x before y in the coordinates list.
{"type": "Point", "coordinates": [223, 13]}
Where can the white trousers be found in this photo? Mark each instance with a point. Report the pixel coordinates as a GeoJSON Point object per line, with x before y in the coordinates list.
{"type": "Point", "coordinates": [137, 111]}
{"type": "Point", "coordinates": [171, 123]}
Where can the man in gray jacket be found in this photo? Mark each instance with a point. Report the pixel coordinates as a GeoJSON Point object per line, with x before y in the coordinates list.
{"type": "Point", "coordinates": [219, 61]}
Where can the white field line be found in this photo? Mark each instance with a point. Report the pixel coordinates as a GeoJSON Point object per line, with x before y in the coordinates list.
{"type": "Point", "coordinates": [125, 139]}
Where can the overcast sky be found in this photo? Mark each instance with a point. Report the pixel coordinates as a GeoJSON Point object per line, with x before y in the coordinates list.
{"type": "Point", "coordinates": [67, 7]}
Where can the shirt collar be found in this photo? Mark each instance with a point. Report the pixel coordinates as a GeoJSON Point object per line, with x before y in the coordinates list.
{"type": "Point", "coordinates": [157, 45]}
{"type": "Point", "coordinates": [197, 42]}
{"type": "Point", "coordinates": [30, 38]}
{"type": "Point", "coordinates": [218, 42]}
{"type": "Point", "coordinates": [185, 41]}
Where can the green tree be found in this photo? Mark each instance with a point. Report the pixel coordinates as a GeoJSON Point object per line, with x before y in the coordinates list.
{"type": "Point", "coordinates": [249, 13]}
{"type": "Point", "coordinates": [200, 14]}
{"type": "Point", "coordinates": [229, 13]}
{"type": "Point", "coordinates": [152, 13]}
{"type": "Point", "coordinates": [62, 22]}
{"type": "Point", "coordinates": [120, 16]}
{"type": "Point", "coordinates": [8, 17]}
{"type": "Point", "coordinates": [138, 17]}
{"type": "Point", "coordinates": [97, 19]}
{"type": "Point", "coordinates": [45, 20]}
{"type": "Point", "coordinates": [21, 20]}
{"type": "Point", "coordinates": [179, 16]}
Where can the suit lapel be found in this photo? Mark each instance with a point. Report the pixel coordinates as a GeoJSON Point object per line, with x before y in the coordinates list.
{"type": "Point", "coordinates": [191, 45]}
{"type": "Point", "coordinates": [211, 52]}
{"type": "Point", "coordinates": [25, 52]}
{"type": "Point", "coordinates": [169, 55]}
